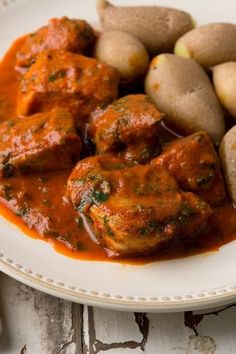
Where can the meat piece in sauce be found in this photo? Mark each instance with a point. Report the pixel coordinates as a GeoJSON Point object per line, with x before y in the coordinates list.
{"type": "Point", "coordinates": [195, 165]}
{"type": "Point", "coordinates": [136, 209]}
{"type": "Point", "coordinates": [42, 142]}
{"type": "Point", "coordinates": [61, 33]}
{"type": "Point", "coordinates": [128, 128]}
{"type": "Point", "coordinates": [39, 200]}
{"type": "Point", "coordinates": [60, 78]}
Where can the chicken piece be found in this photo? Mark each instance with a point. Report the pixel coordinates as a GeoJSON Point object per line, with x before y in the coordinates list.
{"type": "Point", "coordinates": [69, 80]}
{"type": "Point", "coordinates": [42, 142]}
{"type": "Point", "coordinates": [89, 169]}
{"type": "Point", "coordinates": [195, 165]}
{"type": "Point", "coordinates": [136, 209]}
{"type": "Point", "coordinates": [128, 128]}
{"type": "Point", "coordinates": [61, 33]}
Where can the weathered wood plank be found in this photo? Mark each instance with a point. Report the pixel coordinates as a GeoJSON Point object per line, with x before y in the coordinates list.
{"type": "Point", "coordinates": [36, 323]}
{"type": "Point", "coordinates": [190, 333]}
{"type": "Point", "coordinates": [215, 331]}
{"type": "Point", "coordinates": [121, 332]}
{"type": "Point", "coordinates": [167, 334]}
{"type": "Point", "coordinates": [116, 332]}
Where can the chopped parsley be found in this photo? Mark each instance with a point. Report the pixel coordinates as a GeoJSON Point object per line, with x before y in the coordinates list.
{"type": "Point", "coordinates": [8, 170]}
{"type": "Point", "coordinates": [7, 192]}
{"type": "Point", "coordinates": [204, 181]}
{"type": "Point", "coordinates": [79, 222]}
{"type": "Point", "coordinates": [56, 75]}
{"type": "Point", "coordinates": [107, 227]}
{"type": "Point", "coordinates": [95, 196]}
{"type": "Point", "coordinates": [80, 246]}
{"type": "Point", "coordinates": [100, 196]}
{"type": "Point", "coordinates": [22, 211]}
{"type": "Point", "coordinates": [186, 214]}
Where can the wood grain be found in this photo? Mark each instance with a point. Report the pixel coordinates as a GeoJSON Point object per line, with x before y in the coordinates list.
{"type": "Point", "coordinates": [36, 323]}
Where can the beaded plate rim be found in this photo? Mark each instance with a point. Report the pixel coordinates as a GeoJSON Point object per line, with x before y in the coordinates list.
{"type": "Point", "coordinates": [70, 292]}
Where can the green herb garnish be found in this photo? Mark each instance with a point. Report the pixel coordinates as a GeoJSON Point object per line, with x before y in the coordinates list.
{"type": "Point", "coordinates": [100, 196]}
{"type": "Point", "coordinates": [108, 229]}
{"type": "Point", "coordinates": [56, 75]}
{"type": "Point", "coordinates": [8, 170]}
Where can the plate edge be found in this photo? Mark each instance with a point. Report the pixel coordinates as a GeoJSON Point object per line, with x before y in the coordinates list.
{"type": "Point", "coordinates": [176, 303]}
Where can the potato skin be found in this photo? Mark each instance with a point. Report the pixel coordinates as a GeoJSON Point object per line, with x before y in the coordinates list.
{"type": "Point", "coordinates": [182, 90]}
{"type": "Point", "coordinates": [156, 27]}
{"type": "Point", "coordinates": [124, 52]}
{"type": "Point", "coordinates": [224, 79]}
{"type": "Point", "coordinates": [209, 45]}
{"type": "Point", "coordinates": [227, 154]}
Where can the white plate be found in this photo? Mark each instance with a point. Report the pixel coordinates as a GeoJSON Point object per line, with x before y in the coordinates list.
{"type": "Point", "coordinates": [195, 282]}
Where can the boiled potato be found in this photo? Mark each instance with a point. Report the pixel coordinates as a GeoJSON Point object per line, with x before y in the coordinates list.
{"type": "Point", "coordinates": [224, 79]}
{"type": "Point", "coordinates": [228, 160]}
{"type": "Point", "coordinates": [156, 27]}
{"type": "Point", "coordinates": [124, 52]}
{"type": "Point", "coordinates": [209, 45]}
{"type": "Point", "coordinates": [181, 89]}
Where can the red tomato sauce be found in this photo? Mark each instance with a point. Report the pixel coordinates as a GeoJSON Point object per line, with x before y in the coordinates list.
{"type": "Point", "coordinates": [46, 196]}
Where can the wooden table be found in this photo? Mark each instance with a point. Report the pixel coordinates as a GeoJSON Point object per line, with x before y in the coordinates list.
{"type": "Point", "coordinates": [36, 323]}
